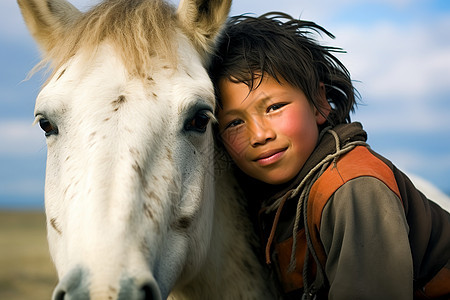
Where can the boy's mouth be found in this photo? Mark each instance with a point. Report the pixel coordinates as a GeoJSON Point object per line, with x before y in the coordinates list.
{"type": "Point", "coordinates": [270, 157]}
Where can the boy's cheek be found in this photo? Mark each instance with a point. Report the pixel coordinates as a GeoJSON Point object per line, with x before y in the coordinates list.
{"type": "Point", "coordinates": [288, 125]}
{"type": "Point", "coordinates": [235, 145]}
{"type": "Point", "coordinates": [295, 125]}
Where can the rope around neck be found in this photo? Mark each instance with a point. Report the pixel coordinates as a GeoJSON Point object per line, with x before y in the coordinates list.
{"type": "Point", "coordinates": [279, 203]}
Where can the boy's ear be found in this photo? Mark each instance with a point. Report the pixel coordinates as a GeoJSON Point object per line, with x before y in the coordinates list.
{"type": "Point", "coordinates": [324, 108]}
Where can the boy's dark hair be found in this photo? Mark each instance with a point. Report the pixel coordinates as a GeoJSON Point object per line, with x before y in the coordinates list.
{"type": "Point", "coordinates": [251, 47]}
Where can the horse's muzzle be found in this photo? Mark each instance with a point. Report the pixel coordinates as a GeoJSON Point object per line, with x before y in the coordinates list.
{"type": "Point", "coordinates": [76, 285]}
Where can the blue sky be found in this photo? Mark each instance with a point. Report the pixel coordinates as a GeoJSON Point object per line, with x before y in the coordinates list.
{"type": "Point", "coordinates": [398, 52]}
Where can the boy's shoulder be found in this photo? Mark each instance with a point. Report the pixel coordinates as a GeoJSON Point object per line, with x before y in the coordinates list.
{"type": "Point", "coordinates": [358, 162]}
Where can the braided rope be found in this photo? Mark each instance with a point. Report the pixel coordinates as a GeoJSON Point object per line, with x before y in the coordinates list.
{"type": "Point", "coordinates": [310, 179]}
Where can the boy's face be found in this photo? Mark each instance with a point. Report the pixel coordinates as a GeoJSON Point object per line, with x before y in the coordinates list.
{"type": "Point", "coordinates": [269, 132]}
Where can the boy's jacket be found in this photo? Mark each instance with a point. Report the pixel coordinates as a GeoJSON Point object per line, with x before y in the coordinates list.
{"type": "Point", "coordinates": [427, 243]}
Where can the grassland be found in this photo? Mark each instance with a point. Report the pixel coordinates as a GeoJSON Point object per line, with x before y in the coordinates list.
{"type": "Point", "coordinates": [26, 270]}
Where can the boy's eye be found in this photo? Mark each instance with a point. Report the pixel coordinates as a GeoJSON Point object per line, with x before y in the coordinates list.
{"type": "Point", "coordinates": [275, 107]}
{"type": "Point", "coordinates": [233, 123]}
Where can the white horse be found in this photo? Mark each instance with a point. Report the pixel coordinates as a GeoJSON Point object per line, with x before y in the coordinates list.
{"type": "Point", "coordinates": [134, 210]}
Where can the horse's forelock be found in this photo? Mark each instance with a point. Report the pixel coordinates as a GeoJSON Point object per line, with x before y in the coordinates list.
{"type": "Point", "coordinates": [140, 30]}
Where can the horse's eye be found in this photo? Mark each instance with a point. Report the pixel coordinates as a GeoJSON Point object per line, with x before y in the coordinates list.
{"type": "Point", "coordinates": [199, 122]}
{"type": "Point", "coordinates": [48, 127]}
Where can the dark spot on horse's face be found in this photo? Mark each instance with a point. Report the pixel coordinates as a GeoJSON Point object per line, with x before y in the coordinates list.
{"type": "Point", "coordinates": [118, 102]}
{"type": "Point", "coordinates": [65, 191]}
{"type": "Point", "coordinates": [150, 214]}
{"type": "Point", "coordinates": [141, 173]}
{"type": "Point", "coordinates": [54, 224]}
{"type": "Point", "coordinates": [152, 196]}
{"type": "Point", "coordinates": [182, 224]}
{"type": "Point", "coordinates": [138, 170]}
{"type": "Point", "coordinates": [148, 211]}
{"type": "Point", "coordinates": [112, 289]}
{"type": "Point", "coordinates": [169, 154]}
{"type": "Point", "coordinates": [61, 74]}
{"type": "Point", "coordinates": [134, 152]}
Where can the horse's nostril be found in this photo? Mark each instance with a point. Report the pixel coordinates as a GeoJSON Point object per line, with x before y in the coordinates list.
{"type": "Point", "coordinates": [76, 285]}
{"type": "Point", "coordinates": [132, 289]}
{"type": "Point", "coordinates": [150, 291]}
{"type": "Point", "coordinates": [59, 295]}
{"type": "Point", "coordinates": [72, 286]}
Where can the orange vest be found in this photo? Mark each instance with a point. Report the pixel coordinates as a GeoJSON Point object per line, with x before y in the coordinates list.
{"type": "Point", "coordinates": [356, 163]}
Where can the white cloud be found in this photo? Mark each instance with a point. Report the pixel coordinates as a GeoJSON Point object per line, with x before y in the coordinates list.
{"type": "Point", "coordinates": [411, 161]}
{"type": "Point", "coordinates": [431, 191]}
{"type": "Point", "coordinates": [396, 119]}
{"type": "Point", "coordinates": [20, 138]}
{"type": "Point", "coordinates": [432, 167]}
{"type": "Point", "coordinates": [410, 61]}
{"type": "Point", "coordinates": [405, 72]}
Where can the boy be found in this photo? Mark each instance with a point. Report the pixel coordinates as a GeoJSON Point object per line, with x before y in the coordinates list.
{"type": "Point", "coordinates": [337, 220]}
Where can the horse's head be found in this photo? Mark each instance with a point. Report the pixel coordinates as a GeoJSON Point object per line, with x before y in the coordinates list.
{"type": "Point", "coordinates": [126, 111]}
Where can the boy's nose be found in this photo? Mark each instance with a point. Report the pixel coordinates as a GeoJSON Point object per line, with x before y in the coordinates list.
{"type": "Point", "coordinates": [261, 133]}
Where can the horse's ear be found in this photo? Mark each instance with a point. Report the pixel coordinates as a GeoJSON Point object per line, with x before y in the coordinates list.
{"type": "Point", "coordinates": [47, 20]}
{"type": "Point", "coordinates": [202, 21]}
